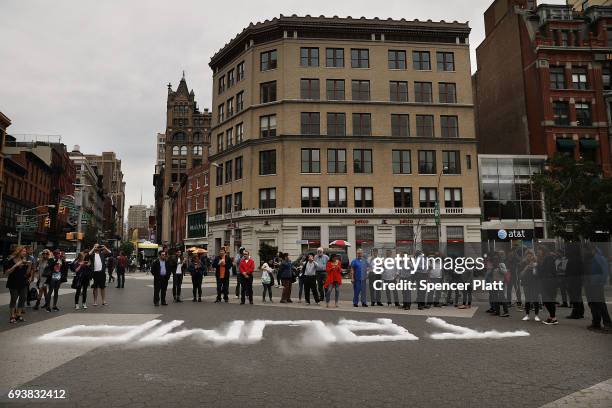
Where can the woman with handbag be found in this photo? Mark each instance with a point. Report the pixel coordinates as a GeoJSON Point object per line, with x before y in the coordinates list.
{"type": "Point", "coordinates": [333, 280]}
{"type": "Point", "coordinates": [17, 283]}
{"type": "Point", "coordinates": [81, 280]}
{"type": "Point", "coordinates": [267, 280]}
{"type": "Point", "coordinates": [42, 274]}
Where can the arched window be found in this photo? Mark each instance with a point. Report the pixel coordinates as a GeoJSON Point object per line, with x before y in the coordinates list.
{"type": "Point", "coordinates": [179, 137]}
{"type": "Point", "coordinates": [197, 137]}
{"type": "Point", "coordinates": [183, 150]}
{"type": "Point", "coordinates": [197, 150]}
{"type": "Point", "coordinates": [175, 151]}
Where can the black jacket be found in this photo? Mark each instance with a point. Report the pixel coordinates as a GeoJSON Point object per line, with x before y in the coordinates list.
{"type": "Point", "coordinates": [156, 269]}
{"type": "Point", "coordinates": [228, 266]}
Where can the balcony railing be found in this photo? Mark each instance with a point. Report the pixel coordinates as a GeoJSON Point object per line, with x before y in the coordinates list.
{"type": "Point", "coordinates": [307, 211]}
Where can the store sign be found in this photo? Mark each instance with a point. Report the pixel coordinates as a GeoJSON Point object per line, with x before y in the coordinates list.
{"type": "Point", "coordinates": [405, 221]}
{"type": "Point", "coordinates": [362, 221]}
{"type": "Point", "coordinates": [196, 225]}
{"type": "Point", "coordinates": [514, 234]}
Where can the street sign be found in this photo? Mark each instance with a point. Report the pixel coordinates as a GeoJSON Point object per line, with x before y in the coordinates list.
{"type": "Point", "coordinates": [437, 213]}
{"type": "Point", "coordinates": [302, 242]}
{"type": "Point", "coordinates": [83, 222]}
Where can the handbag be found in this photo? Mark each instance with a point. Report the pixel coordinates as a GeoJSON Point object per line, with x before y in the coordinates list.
{"type": "Point", "coordinates": [75, 282]}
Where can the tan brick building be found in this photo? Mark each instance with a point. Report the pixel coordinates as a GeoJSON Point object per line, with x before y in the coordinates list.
{"type": "Point", "coordinates": [341, 128]}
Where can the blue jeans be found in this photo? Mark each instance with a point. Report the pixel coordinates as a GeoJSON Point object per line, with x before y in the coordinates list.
{"type": "Point", "coordinates": [329, 290]}
{"type": "Point", "coordinates": [360, 287]}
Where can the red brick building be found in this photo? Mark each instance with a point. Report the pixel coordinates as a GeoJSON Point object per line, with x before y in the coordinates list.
{"type": "Point", "coordinates": [190, 207]}
{"type": "Point", "coordinates": [542, 79]}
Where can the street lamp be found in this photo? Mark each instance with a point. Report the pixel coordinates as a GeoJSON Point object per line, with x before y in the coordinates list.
{"type": "Point", "coordinates": [21, 215]}
{"type": "Point", "coordinates": [80, 186]}
{"type": "Point", "coordinates": [437, 205]}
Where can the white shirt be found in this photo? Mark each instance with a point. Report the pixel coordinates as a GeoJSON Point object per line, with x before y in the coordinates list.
{"type": "Point", "coordinates": [179, 267]}
{"type": "Point", "coordinates": [97, 262]}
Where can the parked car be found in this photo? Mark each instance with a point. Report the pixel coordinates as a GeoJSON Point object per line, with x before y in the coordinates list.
{"type": "Point", "coordinates": [70, 257]}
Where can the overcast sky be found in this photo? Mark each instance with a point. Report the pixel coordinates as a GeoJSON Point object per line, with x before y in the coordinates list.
{"type": "Point", "coordinates": [95, 72]}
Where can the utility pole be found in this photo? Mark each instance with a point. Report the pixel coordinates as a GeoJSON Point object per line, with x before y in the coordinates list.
{"type": "Point", "coordinates": [79, 188]}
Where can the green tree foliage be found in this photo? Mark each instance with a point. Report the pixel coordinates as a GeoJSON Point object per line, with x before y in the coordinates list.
{"type": "Point", "coordinates": [267, 252]}
{"type": "Point", "coordinates": [577, 200]}
{"type": "Point", "coordinates": [127, 247]}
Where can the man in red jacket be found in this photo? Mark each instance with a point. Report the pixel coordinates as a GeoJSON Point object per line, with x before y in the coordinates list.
{"type": "Point", "coordinates": [246, 269]}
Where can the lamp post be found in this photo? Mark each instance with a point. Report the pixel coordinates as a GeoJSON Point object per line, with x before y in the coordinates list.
{"type": "Point", "coordinates": [437, 205]}
{"type": "Point", "coordinates": [80, 213]}
{"type": "Point", "coordinates": [21, 218]}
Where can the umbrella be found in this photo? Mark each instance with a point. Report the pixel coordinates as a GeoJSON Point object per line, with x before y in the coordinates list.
{"type": "Point", "coordinates": [201, 251]}
{"type": "Point", "coordinates": [340, 242]}
{"type": "Point", "coordinates": [192, 249]}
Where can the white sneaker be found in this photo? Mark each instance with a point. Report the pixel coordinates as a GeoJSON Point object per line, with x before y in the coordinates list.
{"type": "Point", "coordinates": [536, 318]}
{"type": "Point", "coordinates": [76, 307]}
{"type": "Point", "coordinates": [526, 318]}
{"type": "Point", "coordinates": [84, 306]}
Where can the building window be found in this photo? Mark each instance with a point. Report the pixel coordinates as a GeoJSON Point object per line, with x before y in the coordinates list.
{"type": "Point", "coordinates": [338, 232]}
{"type": "Point", "coordinates": [402, 197]}
{"type": "Point", "coordinates": [219, 175]}
{"type": "Point", "coordinates": [220, 112]}
{"type": "Point", "coordinates": [239, 133]}
{"type": "Point", "coordinates": [218, 206]}
{"type": "Point", "coordinates": [335, 89]}
{"type": "Point", "coordinates": [397, 59]}
{"type": "Point", "coordinates": [336, 197]}
{"type": "Point", "coordinates": [176, 150]}
{"type": "Point", "coordinates": [579, 78]}
{"type": "Point", "coordinates": [240, 71]}
{"type": "Point", "coordinates": [561, 113]}
{"type": "Point", "coordinates": [400, 125]}
{"type": "Point", "coordinates": [401, 162]}
{"type": "Point", "coordinates": [239, 101]}
{"type": "Point", "coordinates": [220, 142]}
{"type": "Point", "coordinates": [468, 161]}
{"type": "Point", "coordinates": [583, 114]}
{"type": "Point", "coordinates": [311, 161]}
{"type": "Point", "coordinates": [268, 60]}
{"type": "Point", "coordinates": [311, 197]}
{"type": "Point", "coordinates": [336, 161]}
{"type": "Point", "coordinates": [422, 92]}
{"type": "Point", "coordinates": [428, 197]}
{"type": "Point", "coordinates": [421, 60]}
{"type": "Point", "coordinates": [446, 61]}
{"type": "Point", "coordinates": [221, 84]}
{"type": "Point", "coordinates": [447, 92]}
{"type": "Point", "coordinates": [230, 78]}
{"type": "Point", "coordinates": [398, 91]}
{"type": "Point", "coordinates": [267, 126]}
{"type": "Point", "coordinates": [230, 107]}
{"type": "Point", "coordinates": [557, 78]}
{"type": "Point", "coordinates": [334, 57]}
{"type": "Point", "coordinates": [267, 198]}
{"type": "Point", "coordinates": [228, 171]}
{"type": "Point", "coordinates": [451, 163]}
{"type": "Point", "coordinates": [336, 124]}
{"type": "Point", "coordinates": [268, 92]}
{"type": "Point", "coordinates": [360, 58]}
{"type": "Point", "coordinates": [364, 197]}
{"type": "Point", "coordinates": [362, 161]}
{"type": "Point", "coordinates": [360, 90]}
{"type": "Point", "coordinates": [238, 167]}
{"type": "Point", "coordinates": [267, 162]}
{"type": "Point", "coordinates": [564, 37]}
{"type": "Point", "coordinates": [424, 125]}
{"type": "Point", "coordinates": [238, 201]}
{"type": "Point", "coordinates": [449, 126]}
{"type": "Point", "coordinates": [229, 138]}
{"type": "Point", "coordinates": [452, 198]}
{"type": "Point", "coordinates": [197, 150]}
{"type": "Point", "coordinates": [427, 162]}
{"type": "Point", "coordinates": [309, 57]}
{"type": "Point", "coordinates": [310, 123]}
{"type": "Point", "coordinates": [309, 89]}
{"type": "Point", "coordinates": [228, 204]}
{"type": "Point", "coordinates": [362, 124]}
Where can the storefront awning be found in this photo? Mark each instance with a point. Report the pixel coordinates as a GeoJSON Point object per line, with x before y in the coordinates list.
{"type": "Point", "coordinates": [566, 144]}
{"type": "Point", "coordinates": [589, 143]}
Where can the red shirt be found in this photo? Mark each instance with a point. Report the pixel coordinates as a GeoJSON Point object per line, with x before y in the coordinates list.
{"type": "Point", "coordinates": [247, 266]}
{"type": "Point", "coordinates": [334, 274]}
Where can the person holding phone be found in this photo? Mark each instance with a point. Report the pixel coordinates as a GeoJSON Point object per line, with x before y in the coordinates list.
{"type": "Point", "coordinates": [97, 257]}
{"type": "Point", "coordinates": [17, 283]}
{"type": "Point", "coordinates": [82, 268]}
{"type": "Point", "coordinates": [222, 265]}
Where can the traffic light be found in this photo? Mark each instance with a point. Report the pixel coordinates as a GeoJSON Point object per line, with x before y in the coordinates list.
{"type": "Point", "coordinates": [61, 209]}
{"type": "Point", "coordinates": [69, 236]}
{"type": "Point", "coordinates": [47, 222]}
{"type": "Point", "coordinates": [80, 236]}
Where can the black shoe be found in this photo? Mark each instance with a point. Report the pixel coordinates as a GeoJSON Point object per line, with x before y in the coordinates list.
{"type": "Point", "coordinates": [289, 301]}
{"type": "Point", "coordinates": [155, 304]}
{"type": "Point", "coordinates": [55, 309]}
{"type": "Point", "coordinates": [200, 300]}
{"type": "Point", "coordinates": [194, 300]}
{"type": "Point", "coordinates": [595, 328]}
{"type": "Point", "coordinates": [379, 304]}
{"type": "Point", "coordinates": [421, 307]}
{"type": "Point", "coordinates": [397, 304]}
{"type": "Point", "coordinates": [505, 314]}
{"type": "Point", "coordinates": [573, 317]}
{"type": "Point", "coordinates": [178, 300]}
{"type": "Point", "coordinates": [373, 304]}
{"type": "Point", "coordinates": [48, 309]}
{"type": "Point", "coordinates": [35, 307]}
{"type": "Point", "coordinates": [226, 300]}
{"type": "Point", "coordinates": [366, 305]}
{"type": "Point", "coordinates": [216, 301]}
{"type": "Point", "coordinates": [250, 302]}
{"type": "Point", "coordinates": [355, 305]}
{"type": "Point", "coordinates": [164, 304]}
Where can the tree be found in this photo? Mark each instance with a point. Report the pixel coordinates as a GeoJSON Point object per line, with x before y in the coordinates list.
{"type": "Point", "coordinates": [127, 248]}
{"type": "Point", "coordinates": [577, 200]}
{"type": "Point", "coordinates": [267, 252]}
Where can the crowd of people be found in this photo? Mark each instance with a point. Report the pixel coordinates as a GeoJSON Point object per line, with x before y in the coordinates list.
{"type": "Point", "coordinates": [533, 280]}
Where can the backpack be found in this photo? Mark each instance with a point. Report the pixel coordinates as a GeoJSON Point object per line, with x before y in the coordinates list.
{"type": "Point", "coordinates": [265, 278]}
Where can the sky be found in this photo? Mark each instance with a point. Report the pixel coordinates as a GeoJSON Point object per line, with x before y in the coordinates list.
{"type": "Point", "coordinates": [96, 72]}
